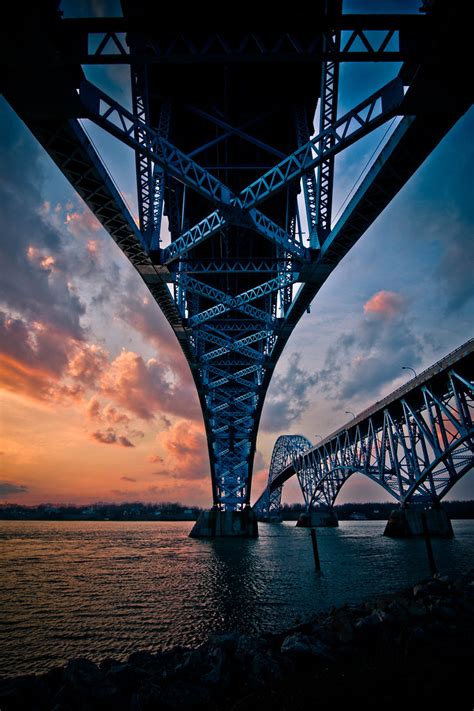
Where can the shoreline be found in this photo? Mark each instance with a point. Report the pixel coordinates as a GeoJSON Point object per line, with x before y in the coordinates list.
{"type": "Point", "coordinates": [412, 645]}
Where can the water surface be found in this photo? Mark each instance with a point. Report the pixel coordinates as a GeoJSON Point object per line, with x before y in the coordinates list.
{"type": "Point", "coordinates": [98, 589]}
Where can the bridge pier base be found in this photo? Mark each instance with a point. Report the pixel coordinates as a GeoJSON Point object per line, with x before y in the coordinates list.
{"type": "Point", "coordinates": [407, 523]}
{"type": "Point", "coordinates": [229, 524]}
{"type": "Point", "coordinates": [321, 518]}
{"type": "Point", "coordinates": [274, 518]}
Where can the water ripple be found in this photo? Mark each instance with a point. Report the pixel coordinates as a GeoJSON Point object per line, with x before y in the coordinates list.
{"type": "Point", "coordinates": [101, 589]}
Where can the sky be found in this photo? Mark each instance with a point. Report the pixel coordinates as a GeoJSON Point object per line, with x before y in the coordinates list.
{"type": "Point", "coordinates": [97, 401]}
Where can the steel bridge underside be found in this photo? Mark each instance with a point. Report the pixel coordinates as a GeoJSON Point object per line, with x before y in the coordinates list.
{"type": "Point", "coordinates": [417, 443]}
{"type": "Point", "coordinates": [210, 117]}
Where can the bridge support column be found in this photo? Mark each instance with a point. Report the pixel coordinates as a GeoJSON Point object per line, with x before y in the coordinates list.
{"type": "Point", "coordinates": [321, 518]}
{"type": "Point", "coordinates": [229, 524]}
{"type": "Point", "coordinates": [407, 523]}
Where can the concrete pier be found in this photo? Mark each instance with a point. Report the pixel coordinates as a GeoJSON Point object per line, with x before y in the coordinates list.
{"type": "Point", "coordinates": [407, 523]}
{"type": "Point", "coordinates": [321, 518]}
{"type": "Point", "coordinates": [231, 524]}
{"type": "Point", "coordinates": [270, 519]}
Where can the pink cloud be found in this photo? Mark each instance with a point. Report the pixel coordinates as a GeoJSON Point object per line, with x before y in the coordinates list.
{"type": "Point", "coordinates": [93, 408]}
{"type": "Point", "coordinates": [142, 313]}
{"type": "Point", "coordinates": [186, 448]}
{"type": "Point", "coordinates": [87, 363]}
{"type": "Point", "coordinates": [146, 388]}
{"type": "Point", "coordinates": [386, 304]}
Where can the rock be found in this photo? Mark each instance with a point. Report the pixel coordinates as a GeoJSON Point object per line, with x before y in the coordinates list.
{"type": "Point", "coordinates": [183, 696]}
{"type": "Point", "coordinates": [264, 670]}
{"type": "Point", "coordinates": [215, 675]}
{"type": "Point", "coordinates": [248, 647]}
{"type": "Point", "coordinates": [372, 621]}
{"type": "Point", "coordinates": [144, 660]}
{"type": "Point", "coordinates": [82, 673]}
{"type": "Point", "coordinates": [227, 641]}
{"type": "Point", "coordinates": [195, 663]}
{"type": "Point", "coordinates": [126, 677]}
{"type": "Point", "coordinates": [300, 645]}
{"type": "Point", "coordinates": [343, 628]}
{"type": "Point", "coordinates": [418, 633]}
{"type": "Point", "coordinates": [417, 610]}
{"type": "Point", "coordinates": [421, 590]}
{"type": "Point", "coordinates": [444, 613]}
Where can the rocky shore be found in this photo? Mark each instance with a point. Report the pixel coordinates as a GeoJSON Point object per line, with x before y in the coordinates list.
{"type": "Point", "coordinates": [414, 647]}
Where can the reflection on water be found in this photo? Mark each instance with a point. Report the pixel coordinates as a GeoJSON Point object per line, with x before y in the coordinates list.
{"type": "Point", "coordinates": [102, 589]}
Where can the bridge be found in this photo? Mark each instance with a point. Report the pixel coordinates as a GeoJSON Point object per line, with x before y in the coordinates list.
{"type": "Point", "coordinates": [221, 125]}
{"type": "Point", "coordinates": [416, 443]}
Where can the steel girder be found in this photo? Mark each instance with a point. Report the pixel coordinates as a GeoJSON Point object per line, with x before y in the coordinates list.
{"type": "Point", "coordinates": [390, 38]}
{"type": "Point", "coordinates": [355, 124]}
{"type": "Point", "coordinates": [417, 446]}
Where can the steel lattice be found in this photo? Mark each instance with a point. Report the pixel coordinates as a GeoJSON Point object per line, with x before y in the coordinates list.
{"type": "Point", "coordinates": [417, 447]}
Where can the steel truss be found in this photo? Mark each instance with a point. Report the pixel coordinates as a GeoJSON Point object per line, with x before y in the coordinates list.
{"type": "Point", "coordinates": [230, 295]}
{"type": "Point", "coordinates": [391, 38]}
{"type": "Point", "coordinates": [417, 447]}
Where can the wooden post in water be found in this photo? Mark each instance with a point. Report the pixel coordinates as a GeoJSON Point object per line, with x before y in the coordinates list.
{"type": "Point", "coordinates": [314, 541]}
{"type": "Point", "coordinates": [429, 548]}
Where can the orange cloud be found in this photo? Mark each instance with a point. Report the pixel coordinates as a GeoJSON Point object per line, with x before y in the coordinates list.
{"type": "Point", "coordinates": [386, 304]}
{"type": "Point", "coordinates": [186, 446]}
{"type": "Point", "coordinates": [81, 222]}
{"type": "Point", "coordinates": [155, 459]}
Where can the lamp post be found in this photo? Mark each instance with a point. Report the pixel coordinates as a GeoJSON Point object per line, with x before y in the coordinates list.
{"type": "Point", "coordinates": [407, 367]}
{"type": "Point", "coordinates": [348, 412]}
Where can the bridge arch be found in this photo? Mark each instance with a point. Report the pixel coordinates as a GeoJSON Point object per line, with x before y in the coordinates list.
{"type": "Point", "coordinates": [416, 444]}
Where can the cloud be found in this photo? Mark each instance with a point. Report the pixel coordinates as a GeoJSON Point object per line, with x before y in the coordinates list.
{"type": "Point", "coordinates": [288, 396]}
{"type": "Point", "coordinates": [108, 413]}
{"type": "Point", "coordinates": [33, 359]}
{"type": "Point", "coordinates": [185, 447]}
{"type": "Point", "coordinates": [142, 313]}
{"type": "Point", "coordinates": [31, 249]}
{"type": "Point", "coordinates": [111, 437]}
{"type": "Point", "coordinates": [386, 304]}
{"type": "Point", "coordinates": [81, 223]}
{"type": "Point", "coordinates": [127, 478]}
{"type": "Point", "coordinates": [155, 459]}
{"type": "Point", "coordinates": [147, 387]}
{"type": "Point", "coordinates": [87, 364]}
{"type": "Point", "coordinates": [360, 363]}
{"type": "Point", "coordinates": [7, 488]}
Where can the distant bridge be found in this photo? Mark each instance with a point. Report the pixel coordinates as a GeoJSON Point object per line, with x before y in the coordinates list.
{"type": "Point", "coordinates": [221, 126]}
{"type": "Point", "coordinates": [416, 443]}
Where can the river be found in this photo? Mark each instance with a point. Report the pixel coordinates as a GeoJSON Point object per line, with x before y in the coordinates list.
{"type": "Point", "coordinates": [106, 589]}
